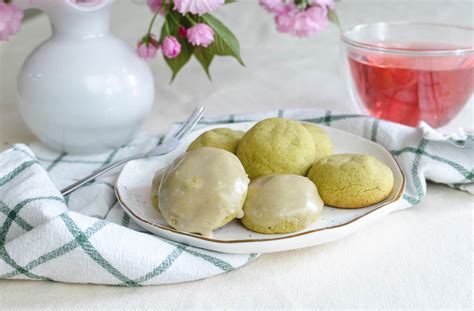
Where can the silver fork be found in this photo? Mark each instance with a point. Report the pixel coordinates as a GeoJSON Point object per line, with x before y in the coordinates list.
{"type": "Point", "coordinates": [166, 147]}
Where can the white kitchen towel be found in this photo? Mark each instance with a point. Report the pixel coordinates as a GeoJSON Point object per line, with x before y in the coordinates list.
{"type": "Point", "coordinates": [87, 238]}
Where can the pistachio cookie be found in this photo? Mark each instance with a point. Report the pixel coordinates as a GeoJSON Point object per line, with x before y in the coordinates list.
{"type": "Point", "coordinates": [321, 140]}
{"type": "Point", "coordinates": [281, 204]}
{"type": "Point", "coordinates": [351, 180]}
{"type": "Point", "coordinates": [203, 190]}
{"type": "Point", "coordinates": [276, 146]}
{"type": "Point", "coordinates": [222, 138]}
{"type": "Point", "coordinates": [155, 186]}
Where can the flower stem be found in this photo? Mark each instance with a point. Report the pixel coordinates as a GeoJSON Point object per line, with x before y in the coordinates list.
{"type": "Point", "coordinates": [167, 27]}
{"type": "Point", "coordinates": [192, 21]}
{"type": "Point", "coordinates": [153, 22]}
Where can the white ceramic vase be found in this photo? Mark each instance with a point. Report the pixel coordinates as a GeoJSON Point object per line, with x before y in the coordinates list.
{"type": "Point", "coordinates": [83, 90]}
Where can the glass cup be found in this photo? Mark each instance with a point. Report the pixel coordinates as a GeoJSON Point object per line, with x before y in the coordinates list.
{"type": "Point", "coordinates": [410, 72]}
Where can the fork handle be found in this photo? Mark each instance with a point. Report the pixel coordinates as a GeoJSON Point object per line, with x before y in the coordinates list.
{"type": "Point", "coordinates": [98, 173]}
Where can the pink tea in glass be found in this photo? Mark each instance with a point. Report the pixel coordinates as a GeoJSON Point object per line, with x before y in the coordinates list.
{"type": "Point", "coordinates": [409, 82]}
{"type": "Point", "coordinates": [409, 89]}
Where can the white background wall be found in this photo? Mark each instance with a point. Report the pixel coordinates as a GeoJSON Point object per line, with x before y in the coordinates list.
{"type": "Point", "coordinates": [281, 71]}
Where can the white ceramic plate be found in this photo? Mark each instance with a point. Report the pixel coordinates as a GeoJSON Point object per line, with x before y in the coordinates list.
{"type": "Point", "coordinates": [134, 194]}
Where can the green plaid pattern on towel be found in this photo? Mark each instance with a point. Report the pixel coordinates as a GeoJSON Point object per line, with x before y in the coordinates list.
{"type": "Point", "coordinates": [87, 238]}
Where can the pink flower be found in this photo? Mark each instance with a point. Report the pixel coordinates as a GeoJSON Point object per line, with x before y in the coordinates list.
{"type": "Point", "coordinates": [10, 20]}
{"type": "Point", "coordinates": [285, 20]}
{"type": "Point", "coordinates": [156, 5]}
{"type": "Point", "coordinates": [302, 23]}
{"type": "Point", "coordinates": [310, 21]}
{"type": "Point", "coordinates": [197, 6]}
{"type": "Point", "coordinates": [147, 47]}
{"type": "Point", "coordinates": [171, 47]}
{"type": "Point", "coordinates": [182, 31]}
{"type": "Point", "coordinates": [273, 6]}
{"type": "Point", "coordinates": [201, 35]}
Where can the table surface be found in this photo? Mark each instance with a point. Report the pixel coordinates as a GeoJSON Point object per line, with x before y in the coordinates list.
{"type": "Point", "coordinates": [421, 257]}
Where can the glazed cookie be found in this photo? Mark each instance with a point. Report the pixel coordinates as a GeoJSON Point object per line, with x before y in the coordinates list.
{"type": "Point", "coordinates": [281, 204]}
{"type": "Point", "coordinates": [351, 180]}
{"type": "Point", "coordinates": [321, 140]}
{"type": "Point", "coordinates": [222, 138]}
{"type": "Point", "coordinates": [155, 186]}
{"type": "Point", "coordinates": [276, 146]}
{"type": "Point", "coordinates": [203, 190]}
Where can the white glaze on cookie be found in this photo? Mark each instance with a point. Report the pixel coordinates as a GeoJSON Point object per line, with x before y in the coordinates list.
{"type": "Point", "coordinates": [203, 190]}
{"type": "Point", "coordinates": [281, 202]}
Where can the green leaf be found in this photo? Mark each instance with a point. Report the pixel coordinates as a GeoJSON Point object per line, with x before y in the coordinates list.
{"type": "Point", "coordinates": [225, 43]}
{"type": "Point", "coordinates": [333, 18]}
{"type": "Point", "coordinates": [204, 58]}
{"type": "Point", "coordinates": [229, 1]}
{"type": "Point", "coordinates": [175, 19]}
{"type": "Point", "coordinates": [302, 4]}
{"type": "Point", "coordinates": [176, 64]}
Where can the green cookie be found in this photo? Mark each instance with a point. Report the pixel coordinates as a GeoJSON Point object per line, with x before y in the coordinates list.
{"type": "Point", "coordinates": [276, 146]}
{"type": "Point", "coordinates": [281, 204]}
{"type": "Point", "coordinates": [155, 186]}
{"type": "Point", "coordinates": [222, 138]}
{"type": "Point", "coordinates": [321, 140]}
{"type": "Point", "coordinates": [351, 180]}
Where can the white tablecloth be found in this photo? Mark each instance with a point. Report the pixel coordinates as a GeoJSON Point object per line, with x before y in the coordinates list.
{"type": "Point", "coordinates": [421, 257]}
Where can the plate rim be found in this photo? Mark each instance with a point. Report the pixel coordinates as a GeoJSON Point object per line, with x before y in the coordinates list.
{"type": "Point", "coordinates": [260, 240]}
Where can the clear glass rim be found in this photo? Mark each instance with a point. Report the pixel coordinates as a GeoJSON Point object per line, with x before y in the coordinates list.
{"type": "Point", "coordinates": [400, 51]}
